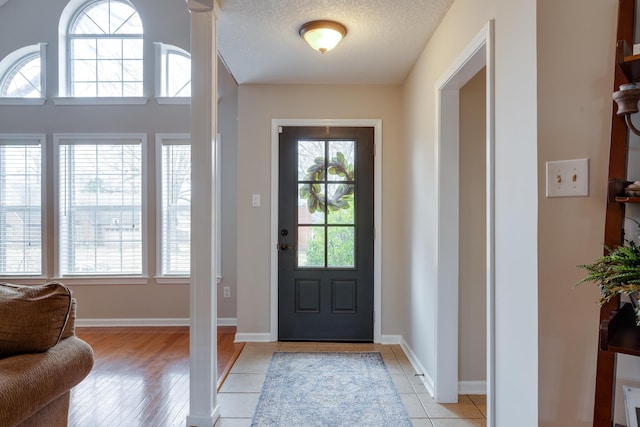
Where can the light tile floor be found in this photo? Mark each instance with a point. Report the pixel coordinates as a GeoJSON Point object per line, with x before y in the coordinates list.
{"type": "Point", "coordinates": [239, 394]}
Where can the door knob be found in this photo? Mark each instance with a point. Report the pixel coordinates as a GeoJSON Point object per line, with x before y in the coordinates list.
{"type": "Point", "coordinates": [284, 246]}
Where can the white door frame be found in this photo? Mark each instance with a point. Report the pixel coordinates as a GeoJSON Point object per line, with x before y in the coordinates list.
{"type": "Point", "coordinates": [377, 211]}
{"type": "Point", "coordinates": [478, 54]}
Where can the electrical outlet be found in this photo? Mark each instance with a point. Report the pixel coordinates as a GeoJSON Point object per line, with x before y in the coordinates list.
{"type": "Point", "coordinates": [568, 178]}
{"type": "Point", "coordinates": [226, 291]}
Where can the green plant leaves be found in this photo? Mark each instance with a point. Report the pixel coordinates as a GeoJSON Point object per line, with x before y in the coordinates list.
{"type": "Point", "coordinates": [617, 272]}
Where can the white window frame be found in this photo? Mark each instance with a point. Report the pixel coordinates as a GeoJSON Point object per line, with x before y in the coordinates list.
{"type": "Point", "coordinates": [35, 139]}
{"type": "Point", "coordinates": [163, 139]}
{"type": "Point", "coordinates": [161, 50]}
{"type": "Point", "coordinates": [160, 278]}
{"type": "Point", "coordinates": [218, 218]}
{"type": "Point", "coordinates": [100, 279]}
{"type": "Point", "coordinates": [12, 60]}
{"type": "Point", "coordinates": [67, 16]}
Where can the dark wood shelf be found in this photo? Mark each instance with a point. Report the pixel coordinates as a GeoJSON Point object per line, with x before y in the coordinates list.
{"type": "Point", "coordinates": [625, 199]}
{"type": "Point", "coordinates": [628, 63]}
{"type": "Point", "coordinates": [619, 334]}
{"type": "Point", "coordinates": [616, 192]}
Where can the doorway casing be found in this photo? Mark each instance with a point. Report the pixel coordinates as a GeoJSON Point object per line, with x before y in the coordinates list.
{"type": "Point", "coordinates": [479, 53]}
{"type": "Point", "coordinates": [376, 124]}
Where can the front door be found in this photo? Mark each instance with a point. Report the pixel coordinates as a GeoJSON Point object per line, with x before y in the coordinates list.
{"type": "Point", "coordinates": [326, 232]}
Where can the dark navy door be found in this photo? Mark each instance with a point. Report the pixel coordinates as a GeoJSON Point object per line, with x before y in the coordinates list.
{"type": "Point", "coordinates": [326, 233]}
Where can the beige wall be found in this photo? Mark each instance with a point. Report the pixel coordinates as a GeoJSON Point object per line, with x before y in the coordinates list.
{"type": "Point", "coordinates": [516, 312]}
{"type": "Point", "coordinates": [164, 21]}
{"type": "Point", "coordinates": [472, 311]}
{"type": "Point", "coordinates": [258, 105]}
{"type": "Point", "coordinates": [228, 129]}
{"type": "Point", "coordinates": [575, 80]}
{"type": "Point", "coordinates": [552, 101]}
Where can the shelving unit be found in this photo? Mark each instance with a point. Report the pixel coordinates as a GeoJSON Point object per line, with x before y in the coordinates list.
{"type": "Point", "coordinates": [629, 63]}
{"type": "Point", "coordinates": [618, 333]}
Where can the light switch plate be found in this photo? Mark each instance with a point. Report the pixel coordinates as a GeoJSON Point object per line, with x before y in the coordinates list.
{"type": "Point", "coordinates": [568, 178]}
{"type": "Point", "coordinates": [255, 200]}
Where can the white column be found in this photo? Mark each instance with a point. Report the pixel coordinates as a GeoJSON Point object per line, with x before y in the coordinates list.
{"type": "Point", "coordinates": [203, 405]}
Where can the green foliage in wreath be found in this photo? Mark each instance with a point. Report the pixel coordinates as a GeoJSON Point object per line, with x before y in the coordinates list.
{"type": "Point", "coordinates": [342, 198]}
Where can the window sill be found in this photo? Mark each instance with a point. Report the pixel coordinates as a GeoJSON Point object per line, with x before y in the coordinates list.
{"type": "Point", "coordinates": [177, 100]}
{"type": "Point", "coordinates": [103, 280]}
{"type": "Point", "coordinates": [22, 101]}
{"type": "Point", "coordinates": [173, 280]}
{"type": "Point", "coordinates": [24, 280]}
{"type": "Point", "coordinates": [100, 101]}
{"type": "Point", "coordinates": [77, 280]}
{"type": "Point", "coordinates": [178, 280]}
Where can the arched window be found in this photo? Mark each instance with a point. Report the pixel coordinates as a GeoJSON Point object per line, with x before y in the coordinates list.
{"type": "Point", "coordinates": [173, 71]}
{"type": "Point", "coordinates": [21, 73]}
{"type": "Point", "coordinates": [105, 50]}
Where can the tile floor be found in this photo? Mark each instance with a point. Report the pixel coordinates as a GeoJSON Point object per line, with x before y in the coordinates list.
{"type": "Point", "coordinates": [239, 394]}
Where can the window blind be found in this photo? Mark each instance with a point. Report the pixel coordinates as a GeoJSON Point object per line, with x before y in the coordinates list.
{"type": "Point", "coordinates": [20, 207]}
{"type": "Point", "coordinates": [100, 206]}
{"type": "Point", "coordinates": [176, 207]}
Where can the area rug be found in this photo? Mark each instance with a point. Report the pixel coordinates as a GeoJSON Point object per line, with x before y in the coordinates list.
{"type": "Point", "coordinates": [329, 389]}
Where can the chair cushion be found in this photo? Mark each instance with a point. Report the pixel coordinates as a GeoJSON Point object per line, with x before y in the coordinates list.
{"type": "Point", "coordinates": [32, 318]}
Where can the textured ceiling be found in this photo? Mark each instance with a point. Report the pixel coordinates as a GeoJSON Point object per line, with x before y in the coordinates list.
{"type": "Point", "coordinates": [259, 42]}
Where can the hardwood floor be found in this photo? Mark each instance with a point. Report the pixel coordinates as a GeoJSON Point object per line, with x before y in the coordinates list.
{"type": "Point", "coordinates": [141, 376]}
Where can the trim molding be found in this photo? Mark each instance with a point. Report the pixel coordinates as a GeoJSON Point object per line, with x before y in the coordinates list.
{"type": "Point", "coordinates": [391, 339]}
{"type": "Point", "coordinates": [179, 321]}
{"type": "Point", "coordinates": [415, 362]}
{"type": "Point", "coordinates": [472, 387]}
{"type": "Point", "coordinates": [477, 54]}
{"type": "Point", "coordinates": [376, 124]}
{"type": "Point", "coordinates": [105, 323]}
{"type": "Point", "coordinates": [125, 100]}
{"type": "Point", "coordinates": [255, 337]}
{"type": "Point", "coordinates": [227, 321]}
{"type": "Point", "coordinates": [22, 101]}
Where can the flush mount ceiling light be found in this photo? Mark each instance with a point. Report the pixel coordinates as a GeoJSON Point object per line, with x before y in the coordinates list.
{"type": "Point", "coordinates": [322, 35]}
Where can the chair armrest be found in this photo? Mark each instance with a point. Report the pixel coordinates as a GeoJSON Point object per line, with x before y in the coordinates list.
{"type": "Point", "coordinates": [28, 382]}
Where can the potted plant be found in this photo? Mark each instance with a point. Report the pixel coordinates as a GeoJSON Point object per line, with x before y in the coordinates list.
{"type": "Point", "coordinates": [617, 273]}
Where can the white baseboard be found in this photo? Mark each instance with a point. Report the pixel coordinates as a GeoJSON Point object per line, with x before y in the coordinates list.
{"type": "Point", "coordinates": [424, 377]}
{"type": "Point", "coordinates": [252, 337]}
{"type": "Point", "coordinates": [390, 339]}
{"type": "Point", "coordinates": [227, 321]}
{"type": "Point", "coordinates": [472, 387]}
{"type": "Point", "coordinates": [204, 421]}
{"type": "Point", "coordinates": [98, 323]}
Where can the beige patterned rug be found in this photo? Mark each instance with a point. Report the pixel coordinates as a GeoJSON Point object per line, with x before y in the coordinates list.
{"type": "Point", "coordinates": [329, 389]}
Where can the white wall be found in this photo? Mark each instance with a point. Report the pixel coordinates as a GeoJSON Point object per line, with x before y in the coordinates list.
{"type": "Point", "coordinates": [516, 181]}
{"type": "Point", "coordinates": [257, 106]}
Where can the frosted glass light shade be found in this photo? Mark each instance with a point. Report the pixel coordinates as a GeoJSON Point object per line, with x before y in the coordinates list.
{"type": "Point", "coordinates": [323, 35]}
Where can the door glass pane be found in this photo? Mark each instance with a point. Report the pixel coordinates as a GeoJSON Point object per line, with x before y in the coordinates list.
{"type": "Point", "coordinates": [326, 187]}
{"type": "Point", "coordinates": [340, 206]}
{"type": "Point", "coordinates": [341, 154]}
{"type": "Point", "coordinates": [311, 246]}
{"type": "Point", "coordinates": [340, 247]}
{"type": "Point", "coordinates": [311, 199]}
{"type": "Point", "coordinates": [311, 162]}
